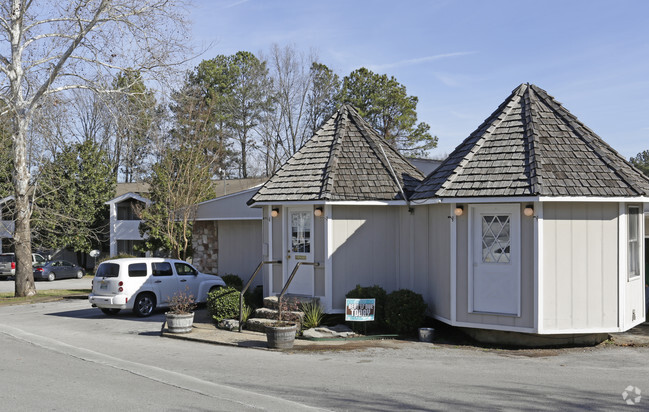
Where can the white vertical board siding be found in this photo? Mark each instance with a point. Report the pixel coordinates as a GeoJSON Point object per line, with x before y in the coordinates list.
{"type": "Point", "coordinates": [318, 245]}
{"type": "Point", "coordinates": [526, 319]}
{"type": "Point", "coordinates": [580, 266]}
{"type": "Point", "coordinates": [279, 251]}
{"type": "Point", "coordinates": [239, 248]}
{"type": "Point", "coordinates": [438, 260]}
{"type": "Point", "coordinates": [365, 249]}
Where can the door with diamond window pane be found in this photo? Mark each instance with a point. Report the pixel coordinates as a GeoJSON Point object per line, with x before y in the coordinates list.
{"type": "Point", "coordinates": [299, 249]}
{"type": "Point", "coordinates": [495, 265]}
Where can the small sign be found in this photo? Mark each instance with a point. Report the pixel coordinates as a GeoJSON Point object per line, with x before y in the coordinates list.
{"type": "Point", "coordinates": [300, 257]}
{"type": "Point", "coordinates": [94, 253]}
{"type": "Point", "coordinates": [360, 310]}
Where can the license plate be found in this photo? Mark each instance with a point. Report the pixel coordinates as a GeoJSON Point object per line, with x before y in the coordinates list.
{"type": "Point", "coordinates": [103, 285]}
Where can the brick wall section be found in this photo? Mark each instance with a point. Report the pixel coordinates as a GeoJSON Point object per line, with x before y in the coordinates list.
{"type": "Point", "coordinates": [205, 244]}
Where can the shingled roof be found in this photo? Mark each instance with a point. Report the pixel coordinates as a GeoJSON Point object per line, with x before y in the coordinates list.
{"type": "Point", "coordinates": [346, 160]}
{"type": "Point", "coordinates": [532, 146]}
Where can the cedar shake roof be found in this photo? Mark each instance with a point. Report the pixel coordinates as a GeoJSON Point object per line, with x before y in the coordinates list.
{"type": "Point", "coordinates": [533, 146]}
{"type": "Point", "coordinates": [346, 160]}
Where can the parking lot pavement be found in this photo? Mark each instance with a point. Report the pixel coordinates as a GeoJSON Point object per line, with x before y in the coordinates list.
{"type": "Point", "coordinates": [84, 283]}
{"type": "Point", "coordinates": [68, 345]}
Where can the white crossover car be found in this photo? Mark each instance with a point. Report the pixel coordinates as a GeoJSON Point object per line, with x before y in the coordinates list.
{"type": "Point", "coordinates": [143, 284]}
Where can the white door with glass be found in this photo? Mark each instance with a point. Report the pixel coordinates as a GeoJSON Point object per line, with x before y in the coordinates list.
{"type": "Point", "coordinates": [299, 249]}
{"type": "Point", "coordinates": [495, 259]}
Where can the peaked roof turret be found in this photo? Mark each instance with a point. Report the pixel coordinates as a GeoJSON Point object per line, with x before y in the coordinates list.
{"type": "Point", "coordinates": [532, 146]}
{"type": "Point", "coordinates": [346, 160]}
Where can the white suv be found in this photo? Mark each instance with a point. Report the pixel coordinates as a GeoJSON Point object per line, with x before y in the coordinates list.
{"type": "Point", "coordinates": [142, 284]}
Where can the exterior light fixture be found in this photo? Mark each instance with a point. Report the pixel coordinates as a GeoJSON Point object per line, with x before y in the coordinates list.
{"type": "Point", "coordinates": [528, 211]}
{"type": "Point", "coordinates": [274, 212]}
{"type": "Point", "coordinates": [318, 211]}
{"type": "Point", "coordinates": [459, 210]}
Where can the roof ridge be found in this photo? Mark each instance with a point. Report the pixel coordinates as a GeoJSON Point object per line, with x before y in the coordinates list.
{"type": "Point", "coordinates": [592, 140]}
{"type": "Point", "coordinates": [330, 169]}
{"type": "Point", "coordinates": [497, 120]}
{"type": "Point", "coordinates": [363, 127]}
{"type": "Point", "coordinates": [532, 139]}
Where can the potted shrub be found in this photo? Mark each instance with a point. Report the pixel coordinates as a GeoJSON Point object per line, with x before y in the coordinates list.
{"type": "Point", "coordinates": [180, 316]}
{"type": "Point", "coordinates": [281, 334]}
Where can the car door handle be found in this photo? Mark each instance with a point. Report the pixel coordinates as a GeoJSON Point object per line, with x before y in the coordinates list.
{"type": "Point", "coordinates": [157, 281]}
{"type": "Point", "coordinates": [183, 280]}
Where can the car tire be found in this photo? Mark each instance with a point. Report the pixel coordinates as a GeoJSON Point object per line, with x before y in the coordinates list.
{"type": "Point", "coordinates": [144, 305]}
{"type": "Point", "coordinates": [51, 277]}
{"type": "Point", "coordinates": [79, 274]}
{"type": "Point", "coordinates": [109, 311]}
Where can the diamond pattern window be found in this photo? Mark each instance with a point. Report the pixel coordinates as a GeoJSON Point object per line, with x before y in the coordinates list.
{"type": "Point", "coordinates": [496, 239]}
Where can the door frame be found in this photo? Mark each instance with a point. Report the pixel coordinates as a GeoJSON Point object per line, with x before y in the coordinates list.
{"type": "Point", "coordinates": [515, 247]}
{"type": "Point", "coordinates": [286, 271]}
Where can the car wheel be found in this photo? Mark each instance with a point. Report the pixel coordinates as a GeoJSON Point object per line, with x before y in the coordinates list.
{"type": "Point", "coordinates": [79, 274]}
{"type": "Point", "coordinates": [109, 311]}
{"type": "Point", "coordinates": [51, 277]}
{"type": "Point", "coordinates": [144, 305]}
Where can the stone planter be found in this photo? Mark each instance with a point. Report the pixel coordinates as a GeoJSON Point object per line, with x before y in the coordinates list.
{"type": "Point", "coordinates": [281, 337]}
{"type": "Point", "coordinates": [180, 323]}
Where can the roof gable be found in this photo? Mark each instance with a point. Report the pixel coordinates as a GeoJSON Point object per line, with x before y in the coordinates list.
{"type": "Point", "coordinates": [533, 146]}
{"type": "Point", "coordinates": [345, 160]}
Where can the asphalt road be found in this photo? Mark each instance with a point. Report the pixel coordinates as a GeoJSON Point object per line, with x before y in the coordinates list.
{"type": "Point", "coordinates": [84, 283]}
{"type": "Point", "coordinates": [68, 356]}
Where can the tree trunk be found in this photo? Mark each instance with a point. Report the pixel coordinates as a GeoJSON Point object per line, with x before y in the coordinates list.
{"type": "Point", "coordinates": [244, 163]}
{"type": "Point", "coordinates": [24, 284]}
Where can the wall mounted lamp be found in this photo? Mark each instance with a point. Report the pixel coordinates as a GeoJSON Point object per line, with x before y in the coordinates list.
{"type": "Point", "coordinates": [318, 211]}
{"type": "Point", "coordinates": [274, 212]}
{"type": "Point", "coordinates": [528, 211]}
{"type": "Point", "coordinates": [459, 210]}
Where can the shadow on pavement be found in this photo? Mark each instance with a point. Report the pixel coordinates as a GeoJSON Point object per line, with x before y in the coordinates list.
{"type": "Point", "coordinates": [94, 313]}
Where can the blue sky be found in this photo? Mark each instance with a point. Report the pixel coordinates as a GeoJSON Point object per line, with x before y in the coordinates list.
{"type": "Point", "coordinates": [463, 58]}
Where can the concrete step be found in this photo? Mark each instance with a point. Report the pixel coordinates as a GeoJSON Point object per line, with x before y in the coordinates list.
{"type": "Point", "coordinates": [259, 324]}
{"type": "Point", "coordinates": [291, 302]}
{"type": "Point", "coordinates": [266, 313]}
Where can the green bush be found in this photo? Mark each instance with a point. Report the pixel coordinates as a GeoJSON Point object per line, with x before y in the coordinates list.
{"type": "Point", "coordinates": [233, 281]}
{"type": "Point", "coordinates": [223, 303]}
{"type": "Point", "coordinates": [405, 311]}
{"type": "Point", "coordinates": [255, 297]}
{"type": "Point", "coordinates": [371, 292]}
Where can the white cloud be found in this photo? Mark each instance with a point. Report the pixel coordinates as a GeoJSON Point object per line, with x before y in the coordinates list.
{"type": "Point", "coordinates": [235, 4]}
{"type": "Point", "coordinates": [418, 60]}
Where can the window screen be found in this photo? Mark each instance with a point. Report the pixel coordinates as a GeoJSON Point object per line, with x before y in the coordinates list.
{"type": "Point", "coordinates": [633, 254]}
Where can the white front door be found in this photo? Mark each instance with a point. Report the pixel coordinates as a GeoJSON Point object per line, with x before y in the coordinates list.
{"type": "Point", "coordinates": [300, 249]}
{"type": "Point", "coordinates": [495, 259]}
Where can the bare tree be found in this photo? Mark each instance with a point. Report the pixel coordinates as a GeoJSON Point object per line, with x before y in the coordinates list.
{"type": "Point", "coordinates": [182, 178]}
{"type": "Point", "coordinates": [304, 94]}
{"type": "Point", "coordinates": [50, 47]}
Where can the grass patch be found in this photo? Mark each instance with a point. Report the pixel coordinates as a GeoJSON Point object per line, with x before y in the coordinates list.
{"type": "Point", "coordinates": [50, 295]}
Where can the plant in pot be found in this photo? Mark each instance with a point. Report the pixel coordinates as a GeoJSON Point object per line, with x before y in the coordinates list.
{"type": "Point", "coordinates": [281, 334]}
{"type": "Point", "coordinates": [180, 316]}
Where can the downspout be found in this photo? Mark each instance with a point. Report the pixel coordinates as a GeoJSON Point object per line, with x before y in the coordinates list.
{"type": "Point", "coordinates": [394, 176]}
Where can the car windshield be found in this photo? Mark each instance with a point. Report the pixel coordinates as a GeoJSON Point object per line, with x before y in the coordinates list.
{"type": "Point", "coordinates": [107, 270]}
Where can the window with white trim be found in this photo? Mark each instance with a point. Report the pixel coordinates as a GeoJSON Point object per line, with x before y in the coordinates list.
{"type": "Point", "coordinates": [633, 235]}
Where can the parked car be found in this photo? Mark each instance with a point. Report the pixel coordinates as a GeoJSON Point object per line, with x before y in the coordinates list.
{"type": "Point", "coordinates": [143, 284]}
{"type": "Point", "coordinates": [8, 263]}
{"type": "Point", "coordinates": [58, 269]}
